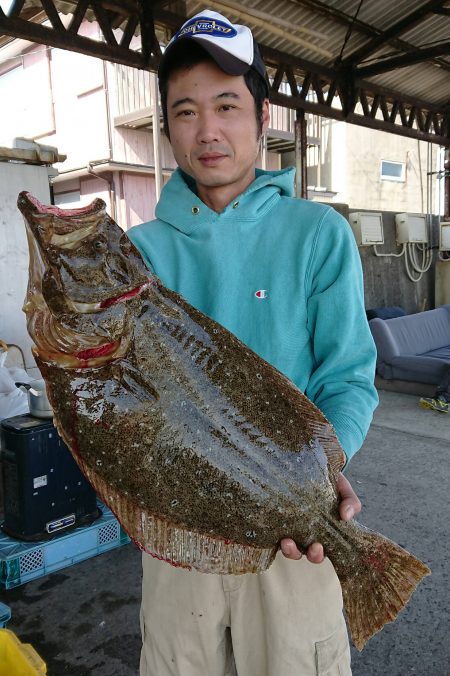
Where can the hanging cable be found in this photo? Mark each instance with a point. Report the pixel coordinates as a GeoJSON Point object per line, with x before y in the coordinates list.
{"type": "Point", "coordinates": [389, 255]}
{"type": "Point", "coordinates": [409, 264]}
{"type": "Point", "coordinates": [412, 264]}
{"type": "Point", "coordinates": [409, 273]}
{"type": "Point", "coordinates": [427, 258]}
{"type": "Point", "coordinates": [349, 32]}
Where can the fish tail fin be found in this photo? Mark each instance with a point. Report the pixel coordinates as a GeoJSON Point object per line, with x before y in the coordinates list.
{"type": "Point", "coordinates": [378, 585]}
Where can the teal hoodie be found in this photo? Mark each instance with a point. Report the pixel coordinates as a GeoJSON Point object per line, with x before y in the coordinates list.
{"type": "Point", "coordinates": [284, 275]}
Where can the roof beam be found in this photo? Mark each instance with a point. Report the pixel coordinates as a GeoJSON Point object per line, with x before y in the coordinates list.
{"type": "Point", "coordinates": [341, 17]}
{"type": "Point", "coordinates": [404, 60]}
{"type": "Point", "coordinates": [57, 35]}
{"type": "Point", "coordinates": [394, 31]}
{"type": "Point", "coordinates": [338, 93]}
{"type": "Point", "coordinates": [343, 95]}
{"type": "Point", "coordinates": [16, 7]}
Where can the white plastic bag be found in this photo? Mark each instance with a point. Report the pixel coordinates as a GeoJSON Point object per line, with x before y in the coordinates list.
{"type": "Point", "coordinates": [12, 400]}
{"type": "Point", "coordinates": [13, 403]}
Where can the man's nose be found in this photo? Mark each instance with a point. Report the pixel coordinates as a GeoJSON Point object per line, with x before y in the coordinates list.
{"type": "Point", "coordinates": [208, 129]}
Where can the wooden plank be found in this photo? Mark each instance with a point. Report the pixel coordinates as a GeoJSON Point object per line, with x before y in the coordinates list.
{"type": "Point", "coordinates": [301, 189]}
{"type": "Point", "coordinates": [78, 16]}
{"type": "Point", "coordinates": [129, 31]}
{"type": "Point", "coordinates": [52, 14]}
{"type": "Point", "coordinates": [104, 23]}
{"type": "Point", "coordinates": [38, 156]}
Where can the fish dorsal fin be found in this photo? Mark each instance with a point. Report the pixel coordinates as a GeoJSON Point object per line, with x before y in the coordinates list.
{"type": "Point", "coordinates": [325, 436]}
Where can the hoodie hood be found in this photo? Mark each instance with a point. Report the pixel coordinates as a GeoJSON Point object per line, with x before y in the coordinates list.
{"type": "Point", "coordinates": [180, 206]}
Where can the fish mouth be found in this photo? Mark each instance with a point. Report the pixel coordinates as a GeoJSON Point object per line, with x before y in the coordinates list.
{"type": "Point", "coordinates": [58, 302]}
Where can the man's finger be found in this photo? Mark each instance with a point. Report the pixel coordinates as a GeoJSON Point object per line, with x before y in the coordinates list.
{"type": "Point", "coordinates": [315, 553]}
{"type": "Point", "coordinates": [290, 550]}
{"type": "Point", "coordinates": [350, 503]}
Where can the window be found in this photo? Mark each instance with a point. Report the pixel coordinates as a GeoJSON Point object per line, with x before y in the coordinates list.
{"type": "Point", "coordinates": [392, 171]}
{"type": "Point", "coordinates": [68, 200]}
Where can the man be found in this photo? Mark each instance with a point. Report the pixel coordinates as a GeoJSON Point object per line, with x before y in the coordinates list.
{"type": "Point", "coordinates": [284, 275]}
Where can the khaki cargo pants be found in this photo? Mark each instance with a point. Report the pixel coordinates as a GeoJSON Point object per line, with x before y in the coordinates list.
{"type": "Point", "coordinates": [286, 621]}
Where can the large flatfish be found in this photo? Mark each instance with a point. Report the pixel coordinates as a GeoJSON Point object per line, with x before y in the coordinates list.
{"type": "Point", "coordinates": [207, 454]}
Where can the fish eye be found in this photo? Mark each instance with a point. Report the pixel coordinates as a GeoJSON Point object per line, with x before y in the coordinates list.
{"type": "Point", "coordinates": [100, 246]}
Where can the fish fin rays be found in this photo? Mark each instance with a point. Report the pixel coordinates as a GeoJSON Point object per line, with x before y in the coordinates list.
{"type": "Point", "coordinates": [175, 544]}
{"type": "Point", "coordinates": [326, 437]}
{"type": "Point", "coordinates": [384, 580]}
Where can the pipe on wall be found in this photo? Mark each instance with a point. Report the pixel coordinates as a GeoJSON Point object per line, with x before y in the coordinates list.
{"type": "Point", "coordinates": [111, 189]}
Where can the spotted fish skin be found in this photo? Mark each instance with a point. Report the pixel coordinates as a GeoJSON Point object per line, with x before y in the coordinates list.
{"type": "Point", "coordinates": [207, 454]}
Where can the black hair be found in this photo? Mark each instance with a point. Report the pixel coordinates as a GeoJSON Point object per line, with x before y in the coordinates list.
{"type": "Point", "coordinates": [189, 54]}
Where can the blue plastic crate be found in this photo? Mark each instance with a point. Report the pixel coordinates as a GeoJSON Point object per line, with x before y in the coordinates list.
{"type": "Point", "coordinates": [5, 615]}
{"type": "Point", "coordinates": [21, 562]}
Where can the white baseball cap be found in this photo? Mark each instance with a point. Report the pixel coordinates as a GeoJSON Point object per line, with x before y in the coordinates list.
{"type": "Point", "coordinates": [230, 45]}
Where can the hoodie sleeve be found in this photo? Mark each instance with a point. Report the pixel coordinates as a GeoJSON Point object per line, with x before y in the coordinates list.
{"type": "Point", "coordinates": [342, 382]}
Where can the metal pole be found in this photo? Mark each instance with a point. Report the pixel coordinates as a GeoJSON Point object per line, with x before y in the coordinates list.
{"type": "Point", "coordinates": [156, 134]}
{"type": "Point", "coordinates": [300, 154]}
{"type": "Point", "coordinates": [264, 152]}
{"type": "Point", "coordinates": [447, 184]}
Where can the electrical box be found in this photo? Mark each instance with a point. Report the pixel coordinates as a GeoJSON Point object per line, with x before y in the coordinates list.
{"type": "Point", "coordinates": [411, 229]}
{"type": "Point", "coordinates": [367, 227]}
{"type": "Point", "coordinates": [444, 236]}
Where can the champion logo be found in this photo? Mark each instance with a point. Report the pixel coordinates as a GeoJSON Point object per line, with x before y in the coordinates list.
{"type": "Point", "coordinates": [262, 294]}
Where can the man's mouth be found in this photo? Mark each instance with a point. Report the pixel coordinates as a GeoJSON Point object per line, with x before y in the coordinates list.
{"type": "Point", "coordinates": [211, 159]}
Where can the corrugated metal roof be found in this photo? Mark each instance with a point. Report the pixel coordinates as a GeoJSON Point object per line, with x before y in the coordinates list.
{"type": "Point", "coordinates": [318, 35]}
{"type": "Point", "coordinates": [321, 31]}
{"type": "Point", "coordinates": [316, 30]}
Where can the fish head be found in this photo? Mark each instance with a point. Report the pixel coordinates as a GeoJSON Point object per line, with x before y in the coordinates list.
{"type": "Point", "coordinates": [83, 268]}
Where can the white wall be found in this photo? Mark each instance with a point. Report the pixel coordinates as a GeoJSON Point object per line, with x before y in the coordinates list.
{"type": "Point", "coordinates": [352, 156]}
{"type": "Point", "coordinates": [15, 177]}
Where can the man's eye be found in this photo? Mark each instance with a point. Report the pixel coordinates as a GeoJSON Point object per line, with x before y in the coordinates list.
{"type": "Point", "coordinates": [227, 106]}
{"type": "Point", "coordinates": [185, 113]}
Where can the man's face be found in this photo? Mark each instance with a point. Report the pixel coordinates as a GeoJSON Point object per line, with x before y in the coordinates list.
{"type": "Point", "coordinates": [213, 129]}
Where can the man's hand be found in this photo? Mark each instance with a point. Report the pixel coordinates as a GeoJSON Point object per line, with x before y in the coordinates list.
{"type": "Point", "coordinates": [349, 506]}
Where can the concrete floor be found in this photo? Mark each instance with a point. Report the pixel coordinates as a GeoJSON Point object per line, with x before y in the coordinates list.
{"type": "Point", "coordinates": [83, 620]}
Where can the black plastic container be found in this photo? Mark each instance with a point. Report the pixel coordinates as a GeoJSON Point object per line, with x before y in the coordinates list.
{"type": "Point", "coordinates": [44, 490]}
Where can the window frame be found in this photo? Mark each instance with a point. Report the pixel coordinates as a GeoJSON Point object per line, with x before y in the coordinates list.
{"type": "Point", "coordinates": [397, 179]}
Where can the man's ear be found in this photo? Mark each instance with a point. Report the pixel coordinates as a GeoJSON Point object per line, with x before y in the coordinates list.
{"type": "Point", "coordinates": [265, 116]}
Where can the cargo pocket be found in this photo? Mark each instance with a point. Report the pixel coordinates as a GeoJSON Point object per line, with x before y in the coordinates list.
{"type": "Point", "coordinates": [143, 670]}
{"type": "Point", "coordinates": [333, 654]}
